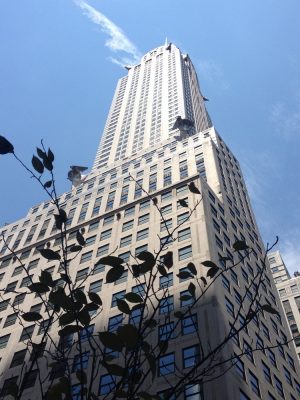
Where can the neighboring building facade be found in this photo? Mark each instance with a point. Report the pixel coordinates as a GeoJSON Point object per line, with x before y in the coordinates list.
{"type": "Point", "coordinates": [119, 218]}
{"type": "Point", "coordinates": [289, 293]}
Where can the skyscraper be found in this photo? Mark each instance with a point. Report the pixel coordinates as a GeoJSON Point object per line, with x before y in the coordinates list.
{"type": "Point", "coordinates": [158, 139]}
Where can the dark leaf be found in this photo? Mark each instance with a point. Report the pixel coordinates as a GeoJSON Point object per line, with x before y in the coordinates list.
{"type": "Point", "coordinates": [136, 270]}
{"type": "Point", "coordinates": [50, 155]}
{"type": "Point", "coordinates": [150, 323]}
{"type": "Point", "coordinates": [178, 314]}
{"type": "Point", "coordinates": [162, 270]}
{"type": "Point", "coordinates": [192, 289]}
{"type": "Point", "coordinates": [269, 309]}
{"type": "Point", "coordinates": [184, 275]}
{"type": "Point", "coordinates": [240, 245]}
{"type": "Point", "coordinates": [112, 261]}
{"type": "Point", "coordinates": [191, 267]}
{"type": "Point", "coordinates": [123, 306]}
{"type": "Point", "coordinates": [168, 259]}
{"type": "Point", "coordinates": [133, 297]}
{"type": "Point", "coordinates": [66, 319]}
{"type": "Point", "coordinates": [41, 153]}
{"type": "Point", "coordinates": [37, 164]}
{"type": "Point", "coordinates": [46, 278]}
{"type": "Point", "coordinates": [119, 216]}
{"type": "Point", "coordinates": [146, 256]}
{"type": "Point", "coordinates": [49, 254]}
{"type": "Point", "coordinates": [111, 340]}
{"type": "Point", "coordinates": [75, 248]}
{"type": "Point", "coordinates": [209, 264]}
{"type": "Point", "coordinates": [129, 335]}
{"type": "Point", "coordinates": [80, 239]}
{"type": "Point", "coordinates": [48, 184]}
{"type": "Point", "coordinates": [48, 164]}
{"type": "Point", "coordinates": [95, 298]}
{"type": "Point", "coordinates": [81, 376]}
{"type": "Point", "coordinates": [203, 280]}
{"type": "Point", "coordinates": [183, 203]}
{"type": "Point", "coordinates": [67, 330]}
{"type": "Point", "coordinates": [91, 307]}
{"type": "Point", "coordinates": [5, 146]}
{"type": "Point", "coordinates": [146, 266]}
{"type": "Point", "coordinates": [212, 272]}
{"type": "Point", "coordinates": [31, 316]}
{"type": "Point", "coordinates": [193, 188]}
{"type": "Point", "coordinates": [115, 369]}
{"type": "Point", "coordinates": [114, 274]}
{"type": "Point", "coordinates": [163, 346]}
{"type": "Point", "coordinates": [63, 215]}
{"type": "Point", "coordinates": [154, 201]}
{"type": "Point", "coordinates": [12, 389]}
{"type": "Point", "coordinates": [80, 296]}
{"type": "Point", "coordinates": [84, 317]}
{"type": "Point", "coordinates": [185, 297]}
{"type": "Point", "coordinates": [38, 287]}
{"type": "Point", "coordinates": [65, 278]}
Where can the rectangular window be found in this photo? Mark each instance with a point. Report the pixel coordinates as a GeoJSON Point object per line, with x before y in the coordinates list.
{"type": "Point", "coordinates": [10, 320]}
{"type": "Point", "coordinates": [142, 234]}
{"type": "Point", "coordinates": [4, 340]}
{"type": "Point", "coordinates": [166, 331]}
{"type": "Point", "coordinates": [254, 383]}
{"type": "Point", "coordinates": [107, 384]}
{"type": "Point", "coordinates": [106, 234]}
{"type": "Point", "coordinates": [193, 392]}
{"type": "Point", "coordinates": [102, 250]}
{"type": "Point", "coordinates": [166, 209]}
{"type": "Point", "coordinates": [183, 218]}
{"type": "Point", "coordinates": [186, 298]}
{"type": "Point", "coordinates": [96, 286]}
{"type": "Point", "coordinates": [117, 296]}
{"type": "Point", "coordinates": [144, 204]}
{"type": "Point", "coordinates": [229, 307]}
{"type": "Point", "coordinates": [108, 220]}
{"type": "Point", "coordinates": [278, 386]}
{"type": "Point", "coordinates": [125, 241]}
{"type": "Point", "coordinates": [166, 281]}
{"type": "Point", "coordinates": [80, 362]}
{"type": "Point", "coordinates": [129, 211]}
{"type": "Point", "coordinates": [86, 256]}
{"type": "Point", "coordinates": [143, 219]}
{"type": "Point", "coordinates": [166, 364]}
{"type": "Point", "coordinates": [26, 333]}
{"type": "Point", "coordinates": [190, 356]}
{"type": "Point", "coordinates": [184, 234]}
{"type": "Point", "coordinates": [166, 305]}
{"type": "Point", "coordinates": [82, 274]}
{"type": "Point", "coordinates": [184, 253]}
{"type": "Point", "coordinates": [18, 358]}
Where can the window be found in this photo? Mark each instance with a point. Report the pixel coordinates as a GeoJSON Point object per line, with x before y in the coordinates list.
{"type": "Point", "coordinates": [166, 331]}
{"type": "Point", "coordinates": [267, 372]}
{"type": "Point", "coordinates": [193, 392]}
{"type": "Point", "coordinates": [144, 205]}
{"type": "Point", "coordinates": [166, 364]}
{"type": "Point", "coordinates": [4, 304]}
{"type": "Point", "coordinates": [229, 306]}
{"type": "Point", "coordinates": [127, 225]}
{"type": "Point", "coordinates": [166, 305]}
{"type": "Point", "coordinates": [26, 281]}
{"type": "Point", "coordinates": [243, 396]}
{"type": "Point", "coordinates": [142, 234]}
{"type": "Point", "coordinates": [82, 274]}
{"type": "Point", "coordinates": [29, 379]}
{"type": "Point", "coordinates": [45, 325]}
{"type": "Point", "coordinates": [129, 211]}
{"type": "Point", "coordinates": [107, 384]}
{"type": "Point", "coordinates": [18, 358]}
{"type": "Point", "coordinates": [3, 341]}
{"type": "Point", "coordinates": [278, 386]}
{"type": "Point", "coordinates": [106, 234]}
{"type": "Point", "coordinates": [184, 234]}
{"type": "Point", "coordinates": [117, 296]}
{"type": "Point", "coordinates": [10, 320]}
{"type": "Point", "coordinates": [240, 368]}
{"type": "Point", "coordinates": [166, 209]}
{"type": "Point", "coordinates": [86, 256]}
{"type": "Point", "coordinates": [190, 356]}
{"type": "Point", "coordinates": [248, 351]}
{"type": "Point", "coordinates": [26, 333]}
{"type": "Point", "coordinates": [166, 195]}
{"type": "Point", "coordinates": [166, 225]}
{"type": "Point", "coordinates": [95, 286]}
{"type": "Point", "coordinates": [108, 220]}
{"type": "Point", "coordinates": [11, 287]}
{"type": "Point", "coordinates": [189, 324]}
{"type": "Point", "coordinates": [80, 362]}
{"type": "Point", "coordinates": [226, 283]}
{"type": "Point", "coordinates": [125, 241]}
{"type": "Point", "coordinates": [93, 226]}
{"type": "Point", "coordinates": [254, 383]}
{"type": "Point", "coordinates": [115, 322]}
{"type": "Point", "coordinates": [102, 250]}
{"type": "Point", "coordinates": [185, 298]}
{"type": "Point", "coordinates": [183, 218]}
{"type": "Point", "coordinates": [143, 219]}
{"type": "Point", "coordinates": [86, 332]}
{"type": "Point", "coordinates": [7, 385]}
{"type": "Point", "coordinates": [272, 357]}
{"type": "Point", "coordinates": [135, 316]}
{"type": "Point", "coordinates": [91, 240]}
{"type": "Point", "coordinates": [166, 281]}
{"type": "Point", "coordinates": [184, 253]}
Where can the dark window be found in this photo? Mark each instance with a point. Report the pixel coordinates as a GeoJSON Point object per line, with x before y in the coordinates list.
{"type": "Point", "coordinates": [166, 364]}
{"type": "Point", "coordinates": [190, 356]}
{"type": "Point", "coordinates": [80, 362]}
{"type": "Point", "coordinates": [189, 324]}
{"type": "Point", "coordinates": [18, 358]}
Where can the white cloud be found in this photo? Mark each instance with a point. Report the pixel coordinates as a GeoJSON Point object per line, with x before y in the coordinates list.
{"type": "Point", "coordinates": [286, 117]}
{"type": "Point", "coordinates": [289, 247]}
{"type": "Point", "coordinates": [213, 72]}
{"type": "Point", "coordinates": [118, 41]}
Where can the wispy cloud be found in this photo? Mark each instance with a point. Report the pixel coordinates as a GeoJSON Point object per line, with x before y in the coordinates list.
{"type": "Point", "coordinates": [213, 72]}
{"type": "Point", "coordinates": [286, 117]}
{"type": "Point", "coordinates": [118, 41]}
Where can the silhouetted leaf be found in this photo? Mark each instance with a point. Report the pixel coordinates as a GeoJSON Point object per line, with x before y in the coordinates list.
{"type": "Point", "coordinates": [48, 164]}
{"type": "Point", "coordinates": [48, 184]}
{"type": "Point", "coordinates": [178, 314]}
{"type": "Point", "coordinates": [203, 280]}
{"type": "Point", "coordinates": [269, 309]}
{"type": "Point", "coordinates": [38, 287]}
{"type": "Point", "coordinates": [183, 203]}
{"type": "Point", "coordinates": [66, 319]}
{"type": "Point", "coordinates": [184, 275]}
{"type": "Point", "coordinates": [37, 164]}
{"type": "Point", "coordinates": [154, 201]}
{"type": "Point", "coordinates": [111, 261]}
{"type": "Point", "coordinates": [41, 153]}
{"type": "Point", "coordinates": [114, 274]}
{"type": "Point", "coordinates": [115, 369]}
{"type": "Point", "coordinates": [133, 297]}
{"type": "Point", "coordinates": [50, 155]}
{"type": "Point", "coordinates": [81, 376]}
{"type": "Point", "coordinates": [212, 272]}
{"type": "Point", "coordinates": [5, 146]}
{"type": "Point", "coordinates": [111, 340]}
{"type": "Point", "coordinates": [123, 306]}
{"type": "Point", "coordinates": [162, 270]}
{"type": "Point", "coordinates": [168, 259]}
{"type": "Point", "coordinates": [119, 216]}
{"type": "Point", "coordinates": [147, 257]}
{"type": "Point", "coordinates": [84, 317]}
{"type": "Point", "coordinates": [65, 278]}
{"type": "Point", "coordinates": [209, 264]}
{"type": "Point", "coordinates": [95, 298]}
{"type": "Point", "coordinates": [46, 278]}
{"type": "Point", "coordinates": [49, 254]}
{"type": "Point", "coordinates": [80, 239]}
{"type": "Point", "coordinates": [75, 248]}
{"type": "Point", "coordinates": [129, 335]}
{"type": "Point", "coordinates": [80, 296]}
{"type": "Point", "coordinates": [192, 289]}
{"type": "Point", "coordinates": [31, 316]}
{"type": "Point", "coordinates": [91, 307]}
{"type": "Point", "coordinates": [67, 330]}
{"type": "Point", "coordinates": [240, 245]}
{"type": "Point", "coordinates": [163, 346]}
{"type": "Point", "coordinates": [191, 267]}
{"type": "Point", "coordinates": [193, 188]}
{"type": "Point", "coordinates": [136, 270]}
{"type": "Point", "coordinates": [150, 323]}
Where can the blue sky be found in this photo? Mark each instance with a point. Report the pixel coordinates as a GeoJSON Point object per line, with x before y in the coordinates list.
{"type": "Point", "coordinates": [60, 64]}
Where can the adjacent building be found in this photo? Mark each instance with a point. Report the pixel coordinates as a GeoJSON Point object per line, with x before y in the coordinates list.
{"type": "Point", "coordinates": [144, 153]}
